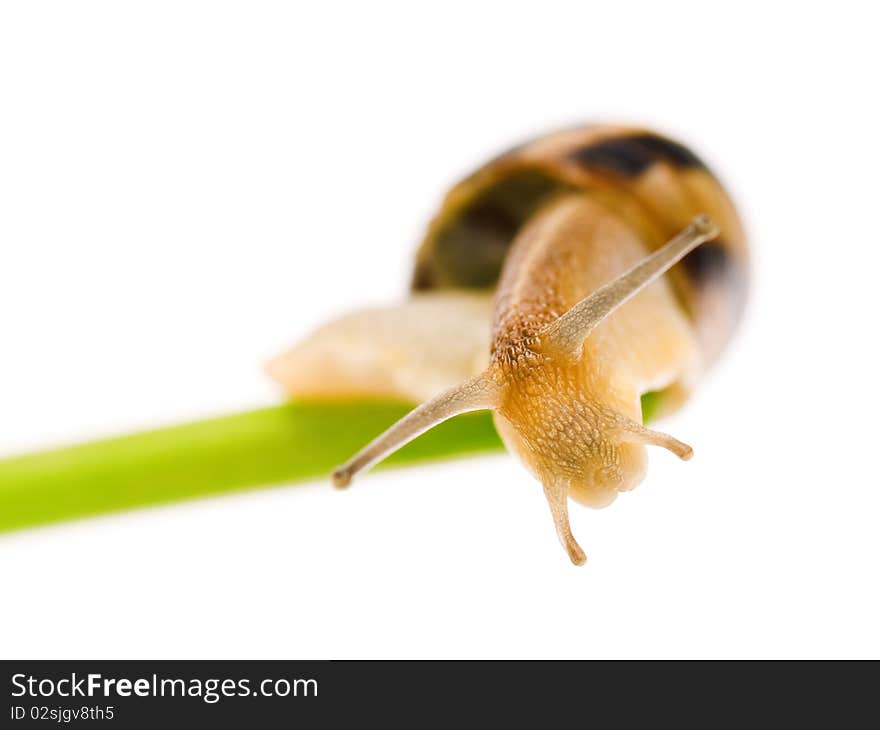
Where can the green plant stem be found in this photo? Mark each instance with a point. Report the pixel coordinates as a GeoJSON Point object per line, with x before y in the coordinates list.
{"type": "Point", "coordinates": [284, 444]}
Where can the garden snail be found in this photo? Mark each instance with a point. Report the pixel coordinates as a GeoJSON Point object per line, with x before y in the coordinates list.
{"type": "Point", "coordinates": [538, 293]}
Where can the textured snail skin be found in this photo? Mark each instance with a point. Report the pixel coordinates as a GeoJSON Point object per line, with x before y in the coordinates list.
{"type": "Point", "coordinates": [563, 417]}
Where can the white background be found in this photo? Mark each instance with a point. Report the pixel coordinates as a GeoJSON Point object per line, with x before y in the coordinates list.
{"type": "Point", "coordinates": [187, 187]}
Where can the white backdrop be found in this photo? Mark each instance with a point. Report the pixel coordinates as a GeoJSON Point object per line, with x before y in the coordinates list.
{"type": "Point", "coordinates": [187, 187]}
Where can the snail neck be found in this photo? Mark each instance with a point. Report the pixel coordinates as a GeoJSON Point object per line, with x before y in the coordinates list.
{"type": "Point", "coordinates": [568, 418]}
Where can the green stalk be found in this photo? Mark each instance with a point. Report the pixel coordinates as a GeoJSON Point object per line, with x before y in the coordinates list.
{"type": "Point", "coordinates": [280, 445]}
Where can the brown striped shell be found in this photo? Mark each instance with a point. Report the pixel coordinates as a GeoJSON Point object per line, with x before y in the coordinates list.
{"type": "Point", "coordinates": [656, 184]}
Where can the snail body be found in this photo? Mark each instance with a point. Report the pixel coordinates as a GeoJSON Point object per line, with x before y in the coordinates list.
{"type": "Point", "coordinates": [537, 293]}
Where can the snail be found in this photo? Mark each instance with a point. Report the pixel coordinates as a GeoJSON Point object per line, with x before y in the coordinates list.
{"type": "Point", "coordinates": [541, 292]}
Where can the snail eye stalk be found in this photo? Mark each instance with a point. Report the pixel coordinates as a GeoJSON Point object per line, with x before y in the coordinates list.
{"type": "Point", "coordinates": [473, 395]}
{"type": "Point", "coordinates": [567, 334]}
